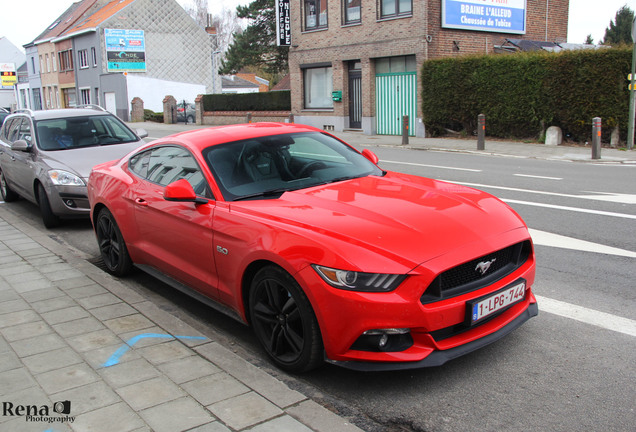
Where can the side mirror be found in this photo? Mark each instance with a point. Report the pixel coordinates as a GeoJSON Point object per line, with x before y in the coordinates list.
{"type": "Point", "coordinates": [142, 133]}
{"type": "Point", "coordinates": [371, 156]}
{"type": "Point", "coordinates": [182, 191]}
{"type": "Point", "coordinates": [21, 145]}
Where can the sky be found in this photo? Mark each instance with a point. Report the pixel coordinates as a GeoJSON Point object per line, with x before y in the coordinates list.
{"type": "Point", "coordinates": [23, 20]}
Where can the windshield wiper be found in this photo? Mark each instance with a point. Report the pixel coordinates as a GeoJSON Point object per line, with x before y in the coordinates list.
{"type": "Point", "coordinates": [265, 194]}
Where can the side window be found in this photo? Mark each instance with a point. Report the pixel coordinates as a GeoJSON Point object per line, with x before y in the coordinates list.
{"type": "Point", "coordinates": [139, 163]}
{"type": "Point", "coordinates": [14, 130]}
{"type": "Point", "coordinates": [169, 164]}
{"type": "Point", "coordinates": [6, 129]}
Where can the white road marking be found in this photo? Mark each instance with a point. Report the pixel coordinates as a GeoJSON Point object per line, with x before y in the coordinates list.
{"type": "Point", "coordinates": [432, 166]}
{"type": "Point", "coordinates": [611, 197]}
{"type": "Point", "coordinates": [539, 177]}
{"type": "Point", "coordinates": [573, 209]}
{"type": "Point", "coordinates": [542, 238]}
{"type": "Point", "coordinates": [598, 196]}
{"type": "Point", "coordinates": [588, 316]}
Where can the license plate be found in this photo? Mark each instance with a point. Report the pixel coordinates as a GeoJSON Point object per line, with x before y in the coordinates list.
{"type": "Point", "coordinates": [487, 306]}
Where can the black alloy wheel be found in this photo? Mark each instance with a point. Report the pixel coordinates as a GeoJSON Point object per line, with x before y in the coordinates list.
{"type": "Point", "coordinates": [284, 321]}
{"type": "Point", "coordinates": [50, 219]}
{"type": "Point", "coordinates": [6, 193]}
{"type": "Point", "coordinates": [111, 244]}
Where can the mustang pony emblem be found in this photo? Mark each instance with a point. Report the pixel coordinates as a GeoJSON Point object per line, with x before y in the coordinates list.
{"type": "Point", "coordinates": [483, 266]}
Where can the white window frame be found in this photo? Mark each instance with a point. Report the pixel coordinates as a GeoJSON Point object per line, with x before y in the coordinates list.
{"type": "Point", "coordinates": [82, 58]}
{"type": "Point", "coordinates": [85, 95]}
{"type": "Point", "coordinates": [94, 55]}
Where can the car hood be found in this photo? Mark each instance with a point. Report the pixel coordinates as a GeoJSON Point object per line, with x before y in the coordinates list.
{"type": "Point", "coordinates": [82, 160]}
{"type": "Point", "coordinates": [405, 218]}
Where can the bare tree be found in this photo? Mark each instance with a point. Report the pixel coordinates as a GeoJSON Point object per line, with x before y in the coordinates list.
{"type": "Point", "coordinates": [227, 24]}
{"type": "Point", "coordinates": [198, 10]}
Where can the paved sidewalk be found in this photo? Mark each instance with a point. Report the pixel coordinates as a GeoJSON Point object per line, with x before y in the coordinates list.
{"type": "Point", "coordinates": [469, 145]}
{"type": "Point", "coordinates": [80, 351]}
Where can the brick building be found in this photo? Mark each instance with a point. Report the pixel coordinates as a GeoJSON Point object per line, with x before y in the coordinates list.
{"type": "Point", "coordinates": [354, 63]}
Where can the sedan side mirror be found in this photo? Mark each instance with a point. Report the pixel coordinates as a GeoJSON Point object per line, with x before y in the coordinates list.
{"type": "Point", "coordinates": [371, 156]}
{"type": "Point", "coordinates": [142, 133]}
{"type": "Point", "coordinates": [21, 145]}
{"type": "Point", "coordinates": [182, 191]}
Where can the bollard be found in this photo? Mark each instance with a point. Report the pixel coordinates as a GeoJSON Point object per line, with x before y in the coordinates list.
{"type": "Point", "coordinates": [291, 118]}
{"type": "Point", "coordinates": [596, 138]}
{"type": "Point", "coordinates": [481, 132]}
{"type": "Point", "coordinates": [248, 118]}
{"type": "Point", "coordinates": [405, 130]}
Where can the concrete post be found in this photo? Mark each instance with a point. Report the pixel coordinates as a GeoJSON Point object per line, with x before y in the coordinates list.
{"type": "Point", "coordinates": [198, 110]}
{"type": "Point", "coordinates": [169, 110]}
{"type": "Point", "coordinates": [596, 138]}
{"type": "Point", "coordinates": [405, 130]}
{"type": "Point", "coordinates": [481, 132]}
{"type": "Point", "coordinates": [137, 114]}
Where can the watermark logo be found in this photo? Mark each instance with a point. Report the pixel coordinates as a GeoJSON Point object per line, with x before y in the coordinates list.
{"type": "Point", "coordinates": [58, 412]}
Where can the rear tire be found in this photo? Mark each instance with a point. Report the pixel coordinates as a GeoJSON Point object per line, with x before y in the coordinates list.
{"type": "Point", "coordinates": [284, 321]}
{"type": "Point", "coordinates": [112, 246]}
{"type": "Point", "coordinates": [6, 193]}
{"type": "Point", "coordinates": [48, 217]}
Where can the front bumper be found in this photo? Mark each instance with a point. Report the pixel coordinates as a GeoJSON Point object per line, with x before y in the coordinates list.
{"type": "Point", "coordinates": [438, 358]}
{"type": "Point", "coordinates": [69, 201]}
{"type": "Point", "coordinates": [437, 331]}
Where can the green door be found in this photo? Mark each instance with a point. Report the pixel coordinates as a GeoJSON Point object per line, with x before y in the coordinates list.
{"type": "Point", "coordinates": [396, 96]}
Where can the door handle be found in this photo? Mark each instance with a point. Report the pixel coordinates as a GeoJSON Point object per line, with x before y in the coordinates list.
{"type": "Point", "coordinates": [141, 202]}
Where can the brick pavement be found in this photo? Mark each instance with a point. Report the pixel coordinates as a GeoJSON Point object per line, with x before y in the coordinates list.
{"type": "Point", "coordinates": [70, 332]}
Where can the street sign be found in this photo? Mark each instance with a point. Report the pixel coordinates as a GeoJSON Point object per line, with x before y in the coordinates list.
{"type": "Point", "coordinates": [8, 74]}
{"type": "Point", "coordinates": [283, 23]}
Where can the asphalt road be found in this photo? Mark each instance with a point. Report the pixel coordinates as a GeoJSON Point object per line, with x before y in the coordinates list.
{"type": "Point", "coordinates": [570, 368]}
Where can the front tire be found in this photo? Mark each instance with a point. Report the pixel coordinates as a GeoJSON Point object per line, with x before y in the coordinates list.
{"type": "Point", "coordinates": [6, 193]}
{"type": "Point", "coordinates": [284, 321]}
{"type": "Point", "coordinates": [112, 246]}
{"type": "Point", "coordinates": [50, 219]}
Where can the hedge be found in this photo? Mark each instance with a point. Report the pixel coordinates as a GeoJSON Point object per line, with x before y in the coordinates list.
{"type": "Point", "coordinates": [523, 94]}
{"type": "Point", "coordinates": [266, 101]}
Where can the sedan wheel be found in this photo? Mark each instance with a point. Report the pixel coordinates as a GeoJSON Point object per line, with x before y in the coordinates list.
{"type": "Point", "coordinates": [111, 244]}
{"type": "Point", "coordinates": [6, 193]}
{"type": "Point", "coordinates": [284, 321]}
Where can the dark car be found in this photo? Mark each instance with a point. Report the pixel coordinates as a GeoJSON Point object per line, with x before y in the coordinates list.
{"type": "Point", "coordinates": [46, 156]}
{"type": "Point", "coordinates": [185, 112]}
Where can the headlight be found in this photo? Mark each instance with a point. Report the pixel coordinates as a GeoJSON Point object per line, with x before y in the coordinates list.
{"type": "Point", "coordinates": [357, 281]}
{"type": "Point", "coordinates": [64, 178]}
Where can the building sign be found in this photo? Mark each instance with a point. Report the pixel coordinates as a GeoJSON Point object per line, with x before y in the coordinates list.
{"type": "Point", "coordinates": [125, 50]}
{"type": "Point", "coordinates": [8, 74]}
{"type": "Point", "coordinates": [503, 16]}
{"type": "Point", "coordinates": [283, 23]}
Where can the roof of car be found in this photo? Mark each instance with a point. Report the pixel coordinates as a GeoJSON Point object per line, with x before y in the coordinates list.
{"type": "Point", "coordinates": [62, 113]}
{"type": "Point", "coordinates": [202, 138]}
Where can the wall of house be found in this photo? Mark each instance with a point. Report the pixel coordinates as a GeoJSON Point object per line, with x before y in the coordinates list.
{"type": "Point", "coordinates": [177, 49]}
{"type": "Point", "coordinates": [88, 78]}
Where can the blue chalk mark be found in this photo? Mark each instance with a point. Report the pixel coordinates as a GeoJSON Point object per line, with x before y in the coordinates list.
{"type": "Point", "coordinates": [114, 359]}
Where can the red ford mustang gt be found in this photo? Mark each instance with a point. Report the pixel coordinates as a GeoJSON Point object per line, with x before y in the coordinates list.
{"type": "Point", "coordinates": [327, 256]}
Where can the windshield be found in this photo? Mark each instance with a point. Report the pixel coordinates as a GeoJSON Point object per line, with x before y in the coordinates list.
{"type": "Point", "coordinates": [77, 132]}
{"type": "Point", "coordinates": [266, 167]}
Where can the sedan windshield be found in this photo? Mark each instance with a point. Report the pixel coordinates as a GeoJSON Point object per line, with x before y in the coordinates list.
{"type": "Point", "coordinates": [77, 132]}
{"type": "Point", "coordinates": [266, 167]}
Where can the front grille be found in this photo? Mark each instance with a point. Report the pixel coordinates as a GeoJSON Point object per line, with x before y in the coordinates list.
{"type": "Point", "coordinates": [466, 277]}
